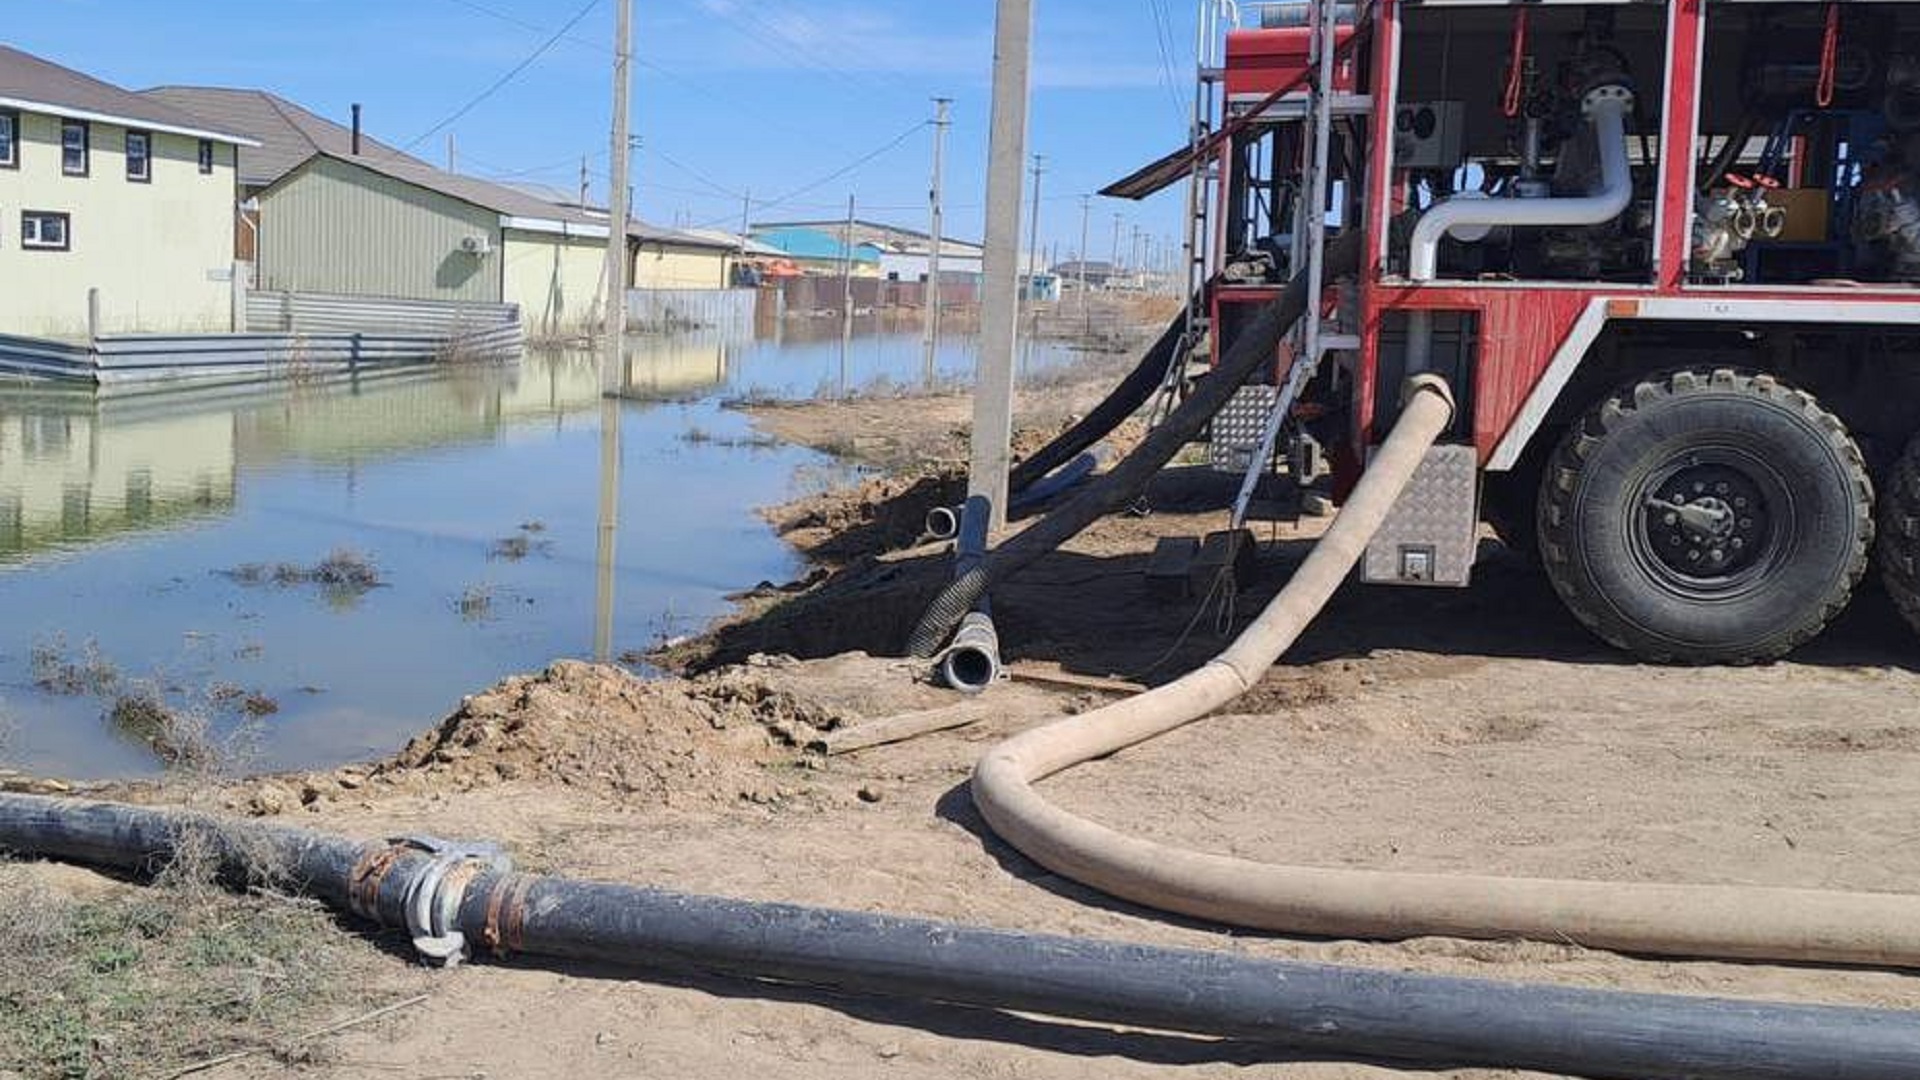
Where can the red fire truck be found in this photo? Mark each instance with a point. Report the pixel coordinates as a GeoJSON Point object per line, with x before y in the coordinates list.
{"type": "Point", "coordinates": [1666, 253]}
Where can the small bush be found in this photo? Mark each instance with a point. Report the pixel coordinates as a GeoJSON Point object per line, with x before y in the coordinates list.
{"type": "Point", "coordinates": [57, 671]}
{"type": "Point", "coordinates": [345, 572]}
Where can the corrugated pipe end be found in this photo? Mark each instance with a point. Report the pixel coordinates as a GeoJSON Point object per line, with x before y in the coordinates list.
{"type": "Point", "coordinates": [971, 663]}
{"type": "Point", "coordinates": [943, 522]}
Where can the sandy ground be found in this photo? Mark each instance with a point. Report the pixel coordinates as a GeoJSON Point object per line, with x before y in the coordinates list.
{"type": "Point", "coordinates": [1470, 731]}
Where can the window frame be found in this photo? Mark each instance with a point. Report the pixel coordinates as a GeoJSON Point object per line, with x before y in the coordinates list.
{"type": "Point", "coordinates": [12, 160]}
{"type": "Point", "coordinates": [145, 177]}
{"type": "Point", "coordinates": [205, 155]}
{"type": "Point", "coordinates": [86, 148]}
{"type": "Point", "coordinates": [66, 230]}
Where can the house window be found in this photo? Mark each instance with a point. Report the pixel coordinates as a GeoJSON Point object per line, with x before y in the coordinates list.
{"type": "Point", "coordinates": [76, 147]}
{"type": "Point", "coordinates": [9, 140]}
{"type": "Point", "coordinates": [140, 157]}
{"type": "Point", "coordinates": [43, 230]}
{"type": "Point", "coordinates": [206, 157]}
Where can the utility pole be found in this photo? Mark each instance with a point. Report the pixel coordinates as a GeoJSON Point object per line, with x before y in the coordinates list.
{"type": "Point", "coordinates": [942, 119]}
{"type": "Point", "coordinates": [1000, 299]}
{"type": "Point", "coordinates": [453, 154]}
{"type": "Point", "coordinates": [1086, 219]}
{"type": "Point", "coordinates": [746, 213]}
{"type": "Point", "coordinates": [611, 373]}
{"type": "Point", "coordinates": [1033, 240]}
{"type": "Point", "coordinates": [583, 183]}
{"type": "Point", "coordinates": [617, 199]}
{"type": "Point", "coordinates": [1118, 219]}
{"type": "Point", "coordinates": [1136, 264]}
{"type": "Point", "coordinates": [846, 296]}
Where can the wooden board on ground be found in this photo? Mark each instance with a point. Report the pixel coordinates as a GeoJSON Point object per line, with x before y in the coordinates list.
{"type": "Point", "coordinates": [1051, 676]}
{"type": "Point", "coordinates": [895, 729]}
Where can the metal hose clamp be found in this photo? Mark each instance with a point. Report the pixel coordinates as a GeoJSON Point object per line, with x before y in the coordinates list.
{"type": "Point", "coordinates": [435, 893]}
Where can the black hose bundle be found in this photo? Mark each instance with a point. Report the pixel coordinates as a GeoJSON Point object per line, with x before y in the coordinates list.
{"type": "Point", "coordinates": [1125, 400]}
{"type": "Point", "coordinates": [1254, 348]}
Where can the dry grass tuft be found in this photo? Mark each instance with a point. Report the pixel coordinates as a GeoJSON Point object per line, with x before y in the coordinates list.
{"type": "Point", "coordinates": [57, 669]}
{"type": "Point", "coordinates": [122, 981]}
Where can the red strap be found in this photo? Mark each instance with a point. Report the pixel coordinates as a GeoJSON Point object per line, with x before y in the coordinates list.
{"type": "Point", "coordinates": [1510, 103]}
{"type": "Point", "coordinates": [1829, 57]}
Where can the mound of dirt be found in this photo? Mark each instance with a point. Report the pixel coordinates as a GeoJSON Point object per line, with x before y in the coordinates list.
{"type": "Point", "coordinates": [599, 728]}
{"type": "Point", "coordinates": [725, 738]}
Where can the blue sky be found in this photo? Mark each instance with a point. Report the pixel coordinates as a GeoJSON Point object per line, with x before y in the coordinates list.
{"type": "Point", "coordinates": [731, 96]}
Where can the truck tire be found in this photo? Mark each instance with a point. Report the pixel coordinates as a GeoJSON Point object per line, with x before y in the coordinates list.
{"type": "Point", "coordinates": [1900, 534]}
{"type": "Point", "coordinates": [1707, 518]}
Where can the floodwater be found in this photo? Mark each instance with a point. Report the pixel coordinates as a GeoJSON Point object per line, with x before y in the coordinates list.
{"type": "Point", "coordinates": [143, 529]}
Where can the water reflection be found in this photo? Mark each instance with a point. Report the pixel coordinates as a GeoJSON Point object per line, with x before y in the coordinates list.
{"type": "Point", "coordinates": [122, 513]}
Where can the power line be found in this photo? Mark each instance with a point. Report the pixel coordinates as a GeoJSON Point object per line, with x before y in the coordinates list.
{"type": "Point", "coordinates": [835, 175]}
{"type": "Point", "coordinates": [1163, 37]}
{"type": "Point", "coordinates": [502, 81]}
{"type": "Point", "coordinates": [749, 22]}
{"type": "Point", "coordinates": [715, 186]}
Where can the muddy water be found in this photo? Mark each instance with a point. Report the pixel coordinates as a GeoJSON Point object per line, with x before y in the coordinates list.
{"type": "Point", "coordinates": [145, 530]}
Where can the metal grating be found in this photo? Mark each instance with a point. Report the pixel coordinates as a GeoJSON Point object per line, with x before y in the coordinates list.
{"type": "Point", "coordinates": [1240, 427]}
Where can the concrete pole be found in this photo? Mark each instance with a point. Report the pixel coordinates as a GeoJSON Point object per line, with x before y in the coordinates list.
{"type": "Point", "coordinates": [1000, 299]}
{"type": "Point", "coordinates": [942, 119]}
{"type": "Point", "coordinates": [611, 373]}
{"type": "Point", "coordinates": [1086, 220]}
{"type": "Point", "coordinates": [846, 296]}
{"type": "Point", "coordinates": [1114, 266]}
{"type": "Point", "coordinates": [1033, 220]}
{"type": "Point", "coordinates": [615, 323]}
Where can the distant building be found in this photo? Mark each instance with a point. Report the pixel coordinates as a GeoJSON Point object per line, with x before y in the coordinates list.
{"type": "Point", "coordinates": [905, 254]}
{"type": "Point", "coordinates": [1098, 274]}
{"type": "Point", "coordinates": [101, 189]}
{"type": "Point", "coordinates": [335, 212]}
{"type": "Point", "coordinates": [821, 252]}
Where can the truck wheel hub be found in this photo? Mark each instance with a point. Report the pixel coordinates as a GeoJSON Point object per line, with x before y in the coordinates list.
{"type": "Point", "coordinates": [1707, 525]}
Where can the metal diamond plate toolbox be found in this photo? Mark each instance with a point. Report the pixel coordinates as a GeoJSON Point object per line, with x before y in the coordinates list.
{"type": "Point", "coordinates": [1238, 427]}
{"type": "Point", "coordinates": [1431, 535]}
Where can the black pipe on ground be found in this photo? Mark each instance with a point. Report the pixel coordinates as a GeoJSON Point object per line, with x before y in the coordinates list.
{"type": "Point", "coordinates": [1254, 349]}
{"type": "Point", "coordinates": [943, 522]}
{"type": "Point", "coordinates": [1338, 1013]}
{"type": "Point", "coordinates": [1126, 399]}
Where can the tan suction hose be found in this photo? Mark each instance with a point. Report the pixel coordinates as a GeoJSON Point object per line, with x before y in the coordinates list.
{"type": "Point", "coordinates": [1732, 922]}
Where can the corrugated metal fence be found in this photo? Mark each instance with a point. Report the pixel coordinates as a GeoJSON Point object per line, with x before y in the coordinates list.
{"type": "Point", "coordinates": [314, 313]}
{"type": "Point", "coordinates": [290, 335]}
{"type": "Point", "coordinates": [657, 311]}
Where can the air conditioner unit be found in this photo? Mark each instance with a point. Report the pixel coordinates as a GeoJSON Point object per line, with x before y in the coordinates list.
{"type": "Point", "coordinates": [477, 245]}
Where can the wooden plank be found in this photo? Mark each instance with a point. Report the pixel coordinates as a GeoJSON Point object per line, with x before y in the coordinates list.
{"type": "Point", "coordinates": [895, 729]}
{"type": "Point", "coordinates": [1055, 677]}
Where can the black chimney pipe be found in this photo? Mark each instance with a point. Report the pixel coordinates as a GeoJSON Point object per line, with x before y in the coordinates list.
{"type": "Point", "coordinates": [356, 129]}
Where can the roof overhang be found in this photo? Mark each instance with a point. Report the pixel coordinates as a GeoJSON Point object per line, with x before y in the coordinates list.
{"type": "Point", "coordinates": [70, 113]}
{"type": "Point", "coordinates": [554, 227]}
